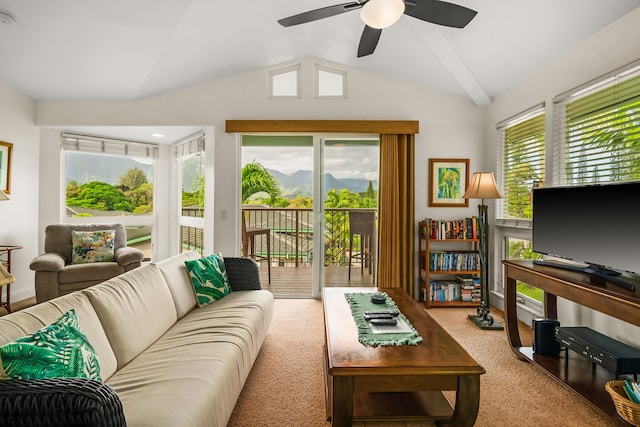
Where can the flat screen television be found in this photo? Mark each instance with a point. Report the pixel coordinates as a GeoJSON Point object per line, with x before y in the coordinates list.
{"type": "Point", "coordinates": [597, 226]}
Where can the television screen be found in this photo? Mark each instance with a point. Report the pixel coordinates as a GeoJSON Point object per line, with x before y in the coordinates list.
{"type": "Point", "coordinates": [598, 225]}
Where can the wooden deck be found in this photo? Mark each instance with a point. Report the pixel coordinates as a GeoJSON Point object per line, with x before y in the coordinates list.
{"type": "Point", "coordinates": [296, 282]}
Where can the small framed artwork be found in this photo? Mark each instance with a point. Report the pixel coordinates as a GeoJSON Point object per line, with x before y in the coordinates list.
{"type": "Point", "coordinates": [448, 181]}
{"type": "Point", "coordinates": [5, 166]}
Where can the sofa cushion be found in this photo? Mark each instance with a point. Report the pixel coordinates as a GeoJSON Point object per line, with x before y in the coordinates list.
{"type": "Point", "coordinates": [135, 309]}
{"type": "Point", "coordinates": [223, 340]}
{"type": "Point", "coordinates": [209, 278]}
{"type": "Point", "coordinates": [99, 271]}
{"type": "Point", "coordinates": [177, 278]}
{"type": "Point", "coordinates": [92, 246]}
{"type": "Point", "coordinates": [59, 350]}
{"type": "Point", "coordinates": [29, 320]}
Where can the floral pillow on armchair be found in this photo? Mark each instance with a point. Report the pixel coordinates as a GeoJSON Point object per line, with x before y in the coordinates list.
{"type": "Point", "coordinates": [92, 246]}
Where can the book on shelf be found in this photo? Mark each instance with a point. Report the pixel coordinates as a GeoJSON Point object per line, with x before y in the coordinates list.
{"type": "Point", "coordinates": [439, 229]}
{"type": "Point", "coordinates": [469, 287]}
{"type": "Point", "coordinates": [454, 261]}
{"type": "Point", "coordinates": [444, 290]}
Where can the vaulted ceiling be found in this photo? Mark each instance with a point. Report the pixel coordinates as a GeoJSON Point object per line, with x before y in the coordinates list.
{"type": "Point", "coordinates": [130, 49]}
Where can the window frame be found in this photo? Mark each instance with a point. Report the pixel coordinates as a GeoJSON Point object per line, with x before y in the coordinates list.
{"type": "Point", "coordinates": [523, 117]}
{"type": "Point", "coordinates": [97, 145]}
{"type": "Point", "coordinates": [599, 86]}
{"type": "Point", "coordinates": [184, 149]}
{"type": "Point", "coordinates": [330, 70]}
{"type": "Point", "coordinates": [284, 70]}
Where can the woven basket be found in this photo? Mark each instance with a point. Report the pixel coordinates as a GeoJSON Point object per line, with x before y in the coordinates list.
{"type": "Point", "coordinates": [628, 410]}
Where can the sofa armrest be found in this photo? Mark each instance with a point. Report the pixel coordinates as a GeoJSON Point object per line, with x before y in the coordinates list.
{"type": "Point", "coordinates": [51, 261]}
{"type": "Point", "coordinates": [128, 255]}
{"type": "Point", "coordinates": [59, 402]}
{"type": "Point", "coordinates": [243, 274]}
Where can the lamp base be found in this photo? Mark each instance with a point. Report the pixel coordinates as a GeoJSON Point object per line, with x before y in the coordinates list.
{"type": "Point", "coordinates": [486, 322]}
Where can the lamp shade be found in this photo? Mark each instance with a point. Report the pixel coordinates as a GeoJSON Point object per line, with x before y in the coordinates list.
{"type": "Point", "coordinates": [381, 13]}
{"type": "Point", "coordinates": [483, 186]}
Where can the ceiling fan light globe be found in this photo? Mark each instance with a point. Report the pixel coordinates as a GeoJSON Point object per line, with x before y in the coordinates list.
{"type": "Point", "coordinates": [381, 13]}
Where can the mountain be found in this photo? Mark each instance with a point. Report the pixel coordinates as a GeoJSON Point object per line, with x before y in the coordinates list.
{"type": "Point", "coordinates": [83, 168]}
{"type": "Point", "coordinates": [300, 183]}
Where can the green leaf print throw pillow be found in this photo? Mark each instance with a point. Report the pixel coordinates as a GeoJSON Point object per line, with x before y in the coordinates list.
{"type": "Point", "coordinates": [59, 350]}
{"type": "Point", "coordinates": [209, 278]}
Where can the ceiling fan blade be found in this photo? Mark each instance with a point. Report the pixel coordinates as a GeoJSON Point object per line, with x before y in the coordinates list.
{"type": "Point", "coordinates": [440, 12]}
{"type": "Point", "coordinates": [368, 41]}
{"type": "Point", "coordinates": [325, 12]}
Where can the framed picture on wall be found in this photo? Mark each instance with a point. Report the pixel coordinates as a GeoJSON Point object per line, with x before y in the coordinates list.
{"type": "Point", "coordinates": [5, 166]}
{"type": "Point", "coordinates": [448, 181]}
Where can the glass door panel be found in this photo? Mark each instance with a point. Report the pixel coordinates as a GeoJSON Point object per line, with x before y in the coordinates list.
{"type": "Point", "coordinates": [277, 204]}
{"type": "Point", "coordinates": [350, 203]}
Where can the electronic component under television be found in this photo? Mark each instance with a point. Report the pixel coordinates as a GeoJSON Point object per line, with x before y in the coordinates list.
{"type": "Point", "coordinates": [596, 225]}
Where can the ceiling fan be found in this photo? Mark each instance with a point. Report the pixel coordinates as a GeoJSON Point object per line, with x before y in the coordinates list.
{"type": "Point", "coordinates": [379, 14]}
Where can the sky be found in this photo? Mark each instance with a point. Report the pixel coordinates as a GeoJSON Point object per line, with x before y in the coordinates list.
{"type": "Point", "coordinates": [340, 161]}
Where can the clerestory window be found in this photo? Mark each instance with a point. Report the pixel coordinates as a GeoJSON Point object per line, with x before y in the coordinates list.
{"type": "Point", "coordinates": [285, 82]}
{"type": "Point", "coordinates": [330, 82]}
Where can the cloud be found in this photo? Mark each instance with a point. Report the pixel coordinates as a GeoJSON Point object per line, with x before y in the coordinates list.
{"type": "Point", "coordinates": [340, 161]}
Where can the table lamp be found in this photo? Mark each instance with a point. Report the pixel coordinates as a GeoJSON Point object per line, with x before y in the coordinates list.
{"type": "Point", "coordinates": [483, 186]}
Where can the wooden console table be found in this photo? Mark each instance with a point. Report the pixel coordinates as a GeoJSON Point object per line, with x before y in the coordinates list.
{"type": "Point", "coordinates": [5, 259]}
{"type": "Point", "coordinates": [582, 377]}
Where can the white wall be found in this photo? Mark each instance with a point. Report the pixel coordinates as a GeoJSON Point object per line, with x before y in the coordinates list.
{"type": "Point", "coordinates": [450, 126]}
{"type": "Point", "coordinates": [19, 215]}
{"type": "Point", "coordinates": [611, 48]}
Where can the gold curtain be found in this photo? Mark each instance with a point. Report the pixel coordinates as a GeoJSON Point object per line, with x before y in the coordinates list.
{"type": "Point", "coordinates": [396, 212]}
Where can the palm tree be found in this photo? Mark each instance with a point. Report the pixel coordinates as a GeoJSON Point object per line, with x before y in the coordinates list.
{"type": "Point", "coordinates": [256, 179]}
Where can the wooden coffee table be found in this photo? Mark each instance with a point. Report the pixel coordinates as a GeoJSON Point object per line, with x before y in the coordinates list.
{"type": "Point", "coordinates": [396, 382]}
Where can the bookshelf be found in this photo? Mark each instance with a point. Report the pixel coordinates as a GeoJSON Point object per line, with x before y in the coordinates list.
{"type": "Point", "coordinates": [449, 268]}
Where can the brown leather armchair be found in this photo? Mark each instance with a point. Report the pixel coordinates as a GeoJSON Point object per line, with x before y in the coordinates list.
{"type": "Point", "coordinates": [56, 274]}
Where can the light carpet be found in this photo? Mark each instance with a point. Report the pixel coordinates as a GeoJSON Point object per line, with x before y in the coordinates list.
{"type": "Point", "coordinates": [286, 384]}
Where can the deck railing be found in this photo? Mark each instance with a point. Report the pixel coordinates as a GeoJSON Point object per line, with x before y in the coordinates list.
{"type": "Point", "coordinates": [291, 234]}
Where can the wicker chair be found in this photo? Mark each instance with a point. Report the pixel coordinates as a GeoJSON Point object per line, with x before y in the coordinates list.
{"type": "Point", "coordinates": [363, 224]}
{"type": "Point", "coordinates": [70, 402]}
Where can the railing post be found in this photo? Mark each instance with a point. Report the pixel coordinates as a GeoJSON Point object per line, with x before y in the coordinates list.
{"type": "Point", "coordinates": [297, 239]}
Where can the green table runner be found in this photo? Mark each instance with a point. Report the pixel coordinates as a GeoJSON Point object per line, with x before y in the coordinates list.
{"type": "Point", "coordinates": [361, 302]}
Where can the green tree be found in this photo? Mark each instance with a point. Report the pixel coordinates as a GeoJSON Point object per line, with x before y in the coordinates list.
{"type": "Point", "coordinates": [370, 193]}
{"type": "Point", "coordinates": [100, 196]}
{"type": "Point", "coordinates": [612, 143]}
{"type": "Point", "coordinates": [73, 189]}
{"type": "Point", "coordinates": [133, 178]}
{"type": "Point", "coordinates": [369, 198]}
{"type": "Point", "coordinates": [301, 202]}
{"type": "Point", "coordinates": [256, 179]}
{"type": "Point", "coordinates": [342, 199]}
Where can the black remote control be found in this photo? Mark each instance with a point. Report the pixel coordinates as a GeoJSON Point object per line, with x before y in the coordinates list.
{"type": "Point", "coordinates": [388, 312]}
{"type": "Point", "coordinates": [383, 322]}
{"type": "Point", "coordinates": [369, 316]}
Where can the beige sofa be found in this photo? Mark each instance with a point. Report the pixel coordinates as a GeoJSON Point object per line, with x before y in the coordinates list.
{"type": "Point", "coordinates": [169, 362]}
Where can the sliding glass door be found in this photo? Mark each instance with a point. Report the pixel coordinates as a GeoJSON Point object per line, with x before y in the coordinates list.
{"type": "Point", "coordinates": [299, 194]}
